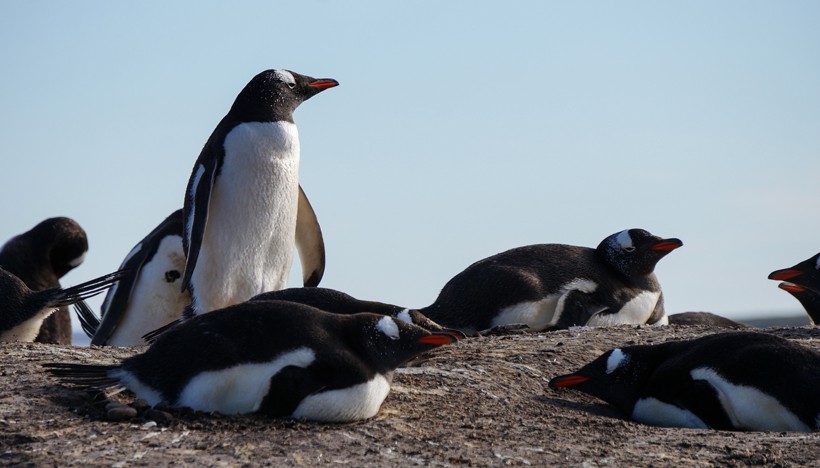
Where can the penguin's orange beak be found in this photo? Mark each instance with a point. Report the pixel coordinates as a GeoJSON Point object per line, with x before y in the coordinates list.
{"type": "Point", "coordinates": [565, 381]}
{"type": "Point", "coordinates": [667, 245]}
{"type": "Point", "coordinates": [791, 287]}
{"type": "Point", "coordinates": [783, 275]}
{"type": "Point", "coordinates": [323, 83]}
{"type": "Point", "coordinates": [439, 339]}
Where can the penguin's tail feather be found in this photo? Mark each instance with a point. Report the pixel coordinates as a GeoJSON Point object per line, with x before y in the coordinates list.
{"type": "Point", "coordinates": [85, 375]}
{"type": "Point", "coordinates": [74, 294]}
{"type": "Point", "coordinates": [88, 319]}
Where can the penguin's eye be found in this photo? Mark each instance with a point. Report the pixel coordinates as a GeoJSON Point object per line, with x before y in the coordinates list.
{"type": "Point", "coordinates": [629, 249]}
{"type": "Point", "coordinates": [291, 85]}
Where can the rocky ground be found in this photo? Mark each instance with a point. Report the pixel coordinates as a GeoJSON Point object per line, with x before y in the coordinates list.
{"type": "Point", "coordinates": [484, 401]}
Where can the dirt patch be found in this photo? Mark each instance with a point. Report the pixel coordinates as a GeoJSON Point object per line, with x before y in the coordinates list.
{"type": "Point", "coordinates": [484, 401]}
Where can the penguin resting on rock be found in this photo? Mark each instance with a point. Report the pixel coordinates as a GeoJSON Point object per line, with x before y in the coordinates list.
{"type": "Point", "coordinates": [743, 381]}
{"type": "Point", "coordinates": [271, 357]}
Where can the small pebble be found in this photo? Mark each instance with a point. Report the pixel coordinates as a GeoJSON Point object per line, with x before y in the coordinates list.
{"type": "Point", "coordinates": [161, 417]}
{"type": "Point", "coordinates": [120, 413]}
{"type": "Point", "coordinates": [140, 405]}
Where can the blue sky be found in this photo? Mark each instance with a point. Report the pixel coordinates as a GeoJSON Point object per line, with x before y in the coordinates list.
{"type": "Point", "coordinates": [460, 129]}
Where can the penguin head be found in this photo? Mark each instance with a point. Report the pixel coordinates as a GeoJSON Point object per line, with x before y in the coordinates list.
{"type": "Point", "coordinates": [615, 377]}
{"type": "Point", "coordinates": [386, 342]}
{"type": "Point", "coordinates": [46, 252]}
{"type": "Point", "coordinates": [415, 317]}
{"type": "Point", "coordinates": [805, 274]}
{"type": "Point", "coordinates": [273, 95]}
{"type": "Point", "coordinates": [635, 252]}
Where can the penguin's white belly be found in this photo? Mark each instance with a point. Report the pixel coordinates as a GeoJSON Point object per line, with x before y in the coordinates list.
{"type": "Point", "coordinates": [543, 313]}
{"type": "Point", "coordinates": [354, 403]}
{"type": "Point", "coordinates": [156, 299]}
{"type": "Point", "coordinates": [249, 238]}
{"type": "Point", "coordinates": [635, 312]}
{"type": "Point", "coordinates": [28, 330]}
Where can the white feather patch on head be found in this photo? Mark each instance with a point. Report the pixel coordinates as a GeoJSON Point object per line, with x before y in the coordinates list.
{"type": "Point", "coordinates": [404, 316]}
{"type": "Point", "coordinates": [624, 239]}
{"type": "Point", "coordinates": [615, 360]}
{"type": "Point", "coordinates": [284, 76]}
{"type": "Point", "coordinates": [388, 326]}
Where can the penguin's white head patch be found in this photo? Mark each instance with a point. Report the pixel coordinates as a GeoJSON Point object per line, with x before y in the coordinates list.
{"type": "Point", "coordinates": [389, 327]}
{"type": "Point", "coordinates": [624, 241]}
{"type": "Point", "coordinates": [615, 360]}
{"type": "Point", "coordinates": [285, 77]}
{"type": "Point", "coordinates": [405, 316]}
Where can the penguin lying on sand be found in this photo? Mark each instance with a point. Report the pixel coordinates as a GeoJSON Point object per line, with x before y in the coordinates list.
{"type": "Point", "coordinates": [40, 257]}
{"type": "Point", "coordinates": [704, 319]}
{"type": "Point", "coordinates": [271, 357]}
{"type": "Point", "coordinates": [729, 381]}
{"type": "Point", "coordinates": [244, 209]}
{"type": "Point", "coordinates": [553, 286]}
{"type": "Point", "coordinates": [22, 310]}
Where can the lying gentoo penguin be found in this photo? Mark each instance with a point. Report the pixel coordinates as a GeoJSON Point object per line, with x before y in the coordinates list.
{"type": "Point", "coordinates": [244, 208]}
{"type": "Point", "coordinates": [272, 357]}
{"type": "Point", "coordinates": [149, 296]}
{"type": "Point", "coordinates": [326, 299]}
{"type": "Point", "coordinates": [337, 302]}
{"type": "Point", "coordinates": [808, 298]}
{"type": "Point", "coordinates": [704, 319]}
{"type": "Point", "coordinates": [729, 381]}
{"type": "Point", "coordinates": [22, 310]}
{"type": "Point", "coordinates": [805, 273]}
{"type": "Point", "coordinates": [40, 257]}
{"type": "Point", "coordinates": [552, 286]}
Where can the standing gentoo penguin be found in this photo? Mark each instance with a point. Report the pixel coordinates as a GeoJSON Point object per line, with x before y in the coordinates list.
{"type": "Point", "coordinates": [40, 257]}
{"type": "Point", "coordinates": [729, 381]}
{"type": "Point", "coordinates": [272, 357]}
{"type": "Point", "coordinates": [22, 310]}
{"type": "Point", "coordinates": [551, 286]}
{"type": "Point", "coordinates": [148, 296]}
{"type": "Point", "coordinates": [244, 207]}
{"type": "Point", "coordinates": [809, 299]}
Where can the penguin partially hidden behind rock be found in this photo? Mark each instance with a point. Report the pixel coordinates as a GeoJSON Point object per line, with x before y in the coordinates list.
{"type": "Point", "coordinates": [706, 319]}
{"type": "Point", "coordinates": [271, 357]}
{"type": "Point", "coordinates": [40, 257]}
{"type": "Point", "coordinates": [22, 310]}
{"type": "Point", "coordinates": [809, 299]}
{"type": "Point", "coordinates": [553, 286]}
{"type": "Point", "coordinates": [149, 296]}
{"type": "Point", "coordinates": [727, 381]}
{"type": "Point", "coordinates": [244, 209]}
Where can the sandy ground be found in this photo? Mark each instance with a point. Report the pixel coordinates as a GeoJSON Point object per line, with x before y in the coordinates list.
{"type": "Point", "coordinates": [484, 401]}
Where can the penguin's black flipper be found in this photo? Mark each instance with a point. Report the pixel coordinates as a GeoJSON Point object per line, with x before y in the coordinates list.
{"type": "Point", "coordinates": [288, 388]}
{"type": "Point", "coordinates": [576, 308]}
{"type": "Point", "coordinates": [195, 212]}
{"type": "Point", "coordinates": [88, 319]}
{"type": "Point", "coordinates": [309, 242]}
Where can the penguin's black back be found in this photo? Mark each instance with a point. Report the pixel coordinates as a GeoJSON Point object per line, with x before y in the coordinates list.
{"type": "Point", "coordinates": [329, 300]}
{"type": "Point", "coordinates": [526, 274]}
{"type": "Point", "coordinates": [258, 331]}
